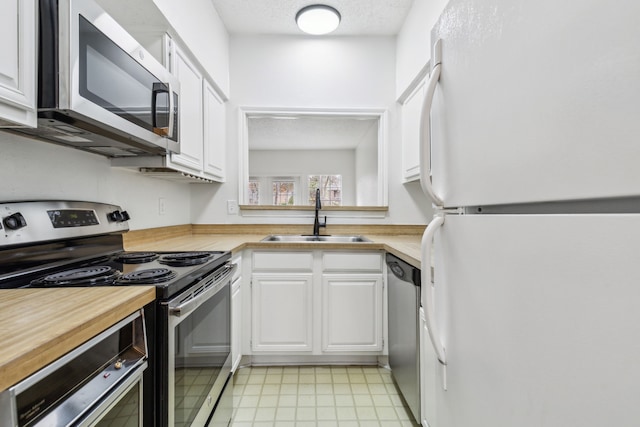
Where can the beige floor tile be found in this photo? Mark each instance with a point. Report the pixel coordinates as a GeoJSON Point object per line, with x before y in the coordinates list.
{"type": "Point", "coordinates": [269, 389]}
{"type": "Point", "coordinates": [273, 379]}
{"type": "Point", "coordinates": [326, 413]}
{"type": "Point", "coordinates": [252, 389]}
{"type": "Point", "coordinates": [346, 413]}
{"type": "Point", "coordinates": [360, 389]}
{"type": "Point", "coordinates": [244, 414]}
{"type": "Point", "coordinates": [290, 378]}
{"type": "Point", "coordinates": [249, 401]}
{"type": "Point", "coordinates": [268, 401]}
{"type": "Point", "coordinates": [318, 396]}
{"type": "Point", "coordinates": [343, 389]}
{"type": "Point", "coordinates": [265, 414]}
{"type": "Point", "coordinates": [285, 414]}
{"type": "Point", "coordinates": [306, 378]}
{"type": "Point", "coordinates": [381, 400]}
{"type": "Point", "coordinates": [324, 378]}
{"type": "Point", "coordinates": [386, 413]}
{"type": "Point", "coordinates": [366, 413]}
{"type": "Point", "coordinates": [289, 389]}
{"type": "Point", "coordinates": [306, 389]}
{"type": "Point", "coordinates": [324, 388]}
{"type": "Point", "coordinates": [306, 400]}
{"type": "Point", "coordinates": [325, 400]}
{"type": "Point", "coordinates": [363, 400]}
{"type": "Point", "coordinates": [344, 400]}
{"type": "Point", "coordinates": [306, 414]}
{"type": "Point", "coordinates": [288, 400]}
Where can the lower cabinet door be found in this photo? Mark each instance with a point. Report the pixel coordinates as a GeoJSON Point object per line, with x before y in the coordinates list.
{"type": "Point", "coordinates": [282, 312]}
{"type": "Point", "coordinates": [352, 312]}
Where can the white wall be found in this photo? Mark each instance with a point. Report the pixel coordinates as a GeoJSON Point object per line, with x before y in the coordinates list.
{"type": "Point", "coordinates": [333, 72]}
{"type": "Point", "coordinates": [413, 41]}
{"type": "Point", "coordinates": [35, 170]}
{"type": "Point", "coordinates": [307, 162]}
{"type": "Point", "coordinates": [367, 169]}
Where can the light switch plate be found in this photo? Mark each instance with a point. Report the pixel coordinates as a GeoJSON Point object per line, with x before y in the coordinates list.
{"type": "Point", "coordinates": [232, 207]}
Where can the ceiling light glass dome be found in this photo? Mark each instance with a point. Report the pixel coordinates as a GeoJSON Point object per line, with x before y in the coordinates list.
{"type": "Point", "coordinates": [318, 19]}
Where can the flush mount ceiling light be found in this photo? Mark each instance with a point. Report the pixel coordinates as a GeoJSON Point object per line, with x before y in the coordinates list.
{"type": "Point", "coordinates": [318, 19]}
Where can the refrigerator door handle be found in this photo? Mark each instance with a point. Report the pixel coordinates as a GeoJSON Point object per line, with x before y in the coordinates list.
{"type": "Point", "coordinates": [425, 127]}
{"type": "Point", "coordinates": [427, 288]}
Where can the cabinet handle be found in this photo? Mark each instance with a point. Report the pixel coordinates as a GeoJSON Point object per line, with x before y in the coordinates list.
{"type": "Point", "coordinates": [427, 288]}
{"type": "Point", "coordinates": [425, 127]}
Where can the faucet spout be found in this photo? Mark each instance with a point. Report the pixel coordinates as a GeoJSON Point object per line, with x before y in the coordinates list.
{"type": "Point", "coordinates": [316, 223]}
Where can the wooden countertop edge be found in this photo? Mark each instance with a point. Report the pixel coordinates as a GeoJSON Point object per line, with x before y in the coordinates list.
{"type": "Point", "coordinates": [40, 355]}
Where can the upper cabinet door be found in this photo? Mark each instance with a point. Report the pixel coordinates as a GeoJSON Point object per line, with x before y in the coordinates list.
{"type": "Point", "coordinates": [18, 27]}
{"type": "Point", "coordinates": [190, 126]}
{"type": "Point", "coordinates": [214, 133]}
{"type": "Point", "coordinates": [519, 119]}
{"type": "Point", "coordinates": [411, 109]}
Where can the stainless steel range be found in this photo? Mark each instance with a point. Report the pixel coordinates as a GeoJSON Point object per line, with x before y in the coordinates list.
{"type": "Point", "coordinates": [64, 243]}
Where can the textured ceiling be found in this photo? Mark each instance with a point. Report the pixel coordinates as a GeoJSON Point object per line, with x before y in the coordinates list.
{"type": "Point", "coordinates": [359, 17]}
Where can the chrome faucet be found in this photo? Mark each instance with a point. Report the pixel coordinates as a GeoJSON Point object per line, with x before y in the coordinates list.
{"type": "Point", "coordinates": [316, 223]}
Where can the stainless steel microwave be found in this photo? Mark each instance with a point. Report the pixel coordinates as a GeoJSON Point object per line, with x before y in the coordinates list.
{"type": "Point", "coordinates": [99, 90]}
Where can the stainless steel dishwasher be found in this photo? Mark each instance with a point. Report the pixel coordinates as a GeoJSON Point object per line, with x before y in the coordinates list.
{"type": "Point", "coordinates": [404, 330]}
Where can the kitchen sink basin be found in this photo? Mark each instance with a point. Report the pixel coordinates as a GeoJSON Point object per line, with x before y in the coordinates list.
{"type": "Point", "coordinates": [310, 238]}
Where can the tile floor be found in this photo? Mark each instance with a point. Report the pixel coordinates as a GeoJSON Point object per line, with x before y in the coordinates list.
{"type": "Point", "coordinates": [320, 396]}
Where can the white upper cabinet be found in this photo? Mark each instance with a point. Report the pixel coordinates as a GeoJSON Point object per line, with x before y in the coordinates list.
{"type": "Point", "coordinates": [18, 29]}
{"type": "Point", "coordinates": [214, 133]}
{"type": "Point", "coordinates": [411, 111]}
{"type": "Point", "coordinates": [191, 113]}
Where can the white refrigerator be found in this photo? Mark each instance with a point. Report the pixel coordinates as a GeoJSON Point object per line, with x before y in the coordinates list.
{"type": "Point", "coordinates": [531, 153]}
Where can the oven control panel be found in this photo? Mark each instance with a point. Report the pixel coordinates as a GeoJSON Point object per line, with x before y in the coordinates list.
{"type": "Point", "coordinates": [31, 222]}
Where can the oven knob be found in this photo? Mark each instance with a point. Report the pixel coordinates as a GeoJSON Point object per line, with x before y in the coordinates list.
{"type": "Point", "coordinates": [15, 221]}
{"type": "Point", "coordinates": [125, 216]}
{"type": "Point", "coordinates": [115, 216]}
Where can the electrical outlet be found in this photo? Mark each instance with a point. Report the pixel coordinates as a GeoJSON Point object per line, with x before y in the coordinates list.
{"type": "Point", "coordinates": [232, 207]}
{"type": "Point", "coordinates": [161, 206]}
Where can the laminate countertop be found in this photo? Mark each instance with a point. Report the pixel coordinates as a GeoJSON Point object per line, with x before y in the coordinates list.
{"type": "Point", "coordinates": [405, 247]}
{"type": "Point", "coordinates": [38, 326]}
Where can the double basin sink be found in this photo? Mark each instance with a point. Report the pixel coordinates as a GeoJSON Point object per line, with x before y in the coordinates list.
{"type": "Point", "coordinates": [301, 238]}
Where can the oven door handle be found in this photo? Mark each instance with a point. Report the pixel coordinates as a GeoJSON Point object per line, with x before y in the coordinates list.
{"type": "Point", "coordinates": [182, 306]}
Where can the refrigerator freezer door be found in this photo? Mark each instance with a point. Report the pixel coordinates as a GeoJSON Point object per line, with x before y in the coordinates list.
{"type": "Point", "coordinates": [540, 319]}
{"type": "Point", "coordinates": [537, 101]}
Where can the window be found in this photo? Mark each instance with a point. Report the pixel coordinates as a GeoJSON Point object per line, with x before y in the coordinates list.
{"type": "Point", "coordinates": [330, 189]}
{"type": "Point", "coordinates": [254, 191]}
{"type": "Point", "coordinates": [283, 191]}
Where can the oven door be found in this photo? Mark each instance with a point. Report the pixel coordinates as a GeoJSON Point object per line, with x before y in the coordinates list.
{"type": "Point", "coordinates": [199, 348]}
{"type": "Point", "coordinates": [123, 407]}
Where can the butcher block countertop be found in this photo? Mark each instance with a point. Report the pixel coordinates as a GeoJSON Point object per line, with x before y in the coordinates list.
{"type": "Point", "coordinates": [402, 241]}
{"type": "Point", "coordinates": [38, 326]}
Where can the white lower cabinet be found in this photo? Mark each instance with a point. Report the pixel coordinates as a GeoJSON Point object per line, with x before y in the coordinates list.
{"type": "Point", "coordinates": [317, 302]}
{"type": "Point", "coordinates": [351, 312]}
{"type": "Point", "coordinates": [283, 312]}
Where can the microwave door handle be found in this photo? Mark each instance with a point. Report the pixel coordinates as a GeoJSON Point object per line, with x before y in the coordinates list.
{"type": "Point", "coordinates": [425, 127]}
{"type": "Point", "coordinates": [172, 111]}
{"type": "Point", "coordinates": [157, 89]}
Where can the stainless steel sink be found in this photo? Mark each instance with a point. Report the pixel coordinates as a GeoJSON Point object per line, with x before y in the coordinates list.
{"type": "Point", "coordinates": [310, 238]}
